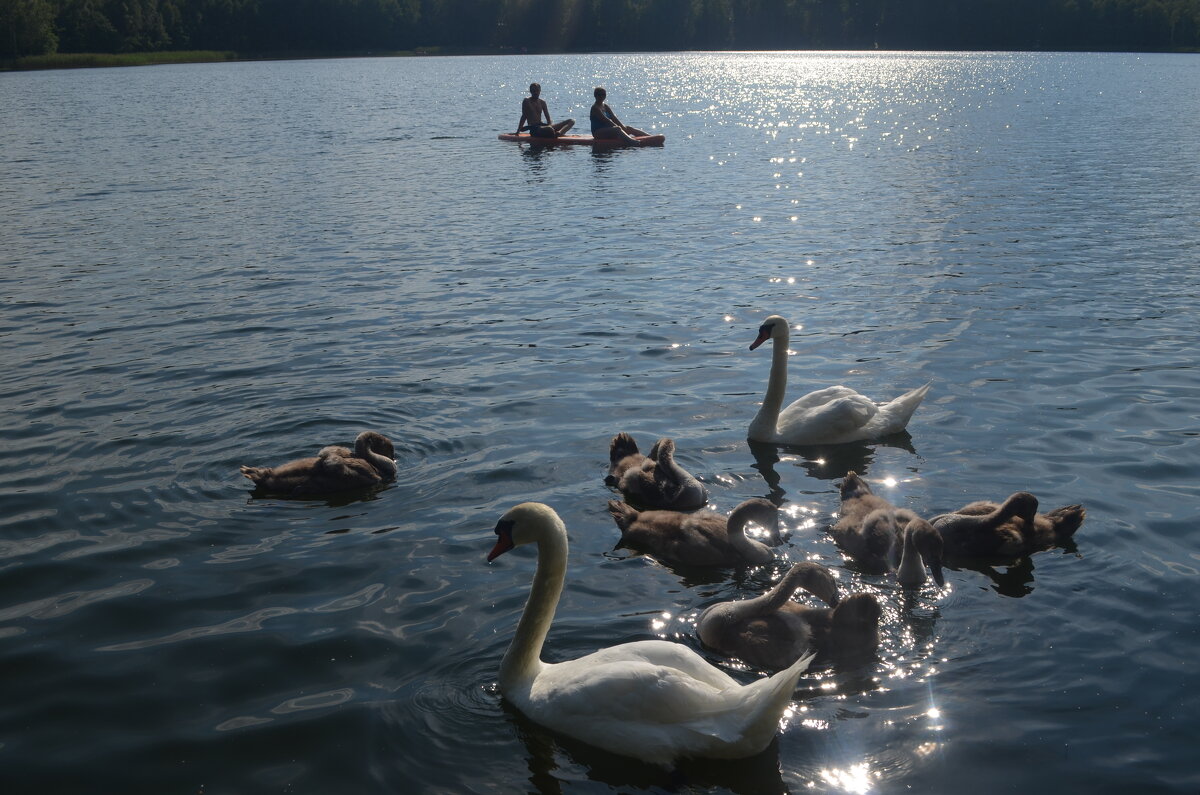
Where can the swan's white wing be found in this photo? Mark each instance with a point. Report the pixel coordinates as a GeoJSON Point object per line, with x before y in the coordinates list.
{"type": "Point", "coordinates": [662, 653]}
{"type": "Point", "coordinates": [820, 397]}
{"type": "Point", "coordinates": [834, 420]}
{"type": "Point", "coordinates": [657, 701]}
{"type": "Point", "coordinates": [653, 683]}
{"type": "Point", "coordinates": [636, 707]}
{"type": "Point", "coordinates": [839, 414]}
{"type": "Point", "coordinates": [894, 415]}
{"type": "Point", "coordinates": [628, 692]}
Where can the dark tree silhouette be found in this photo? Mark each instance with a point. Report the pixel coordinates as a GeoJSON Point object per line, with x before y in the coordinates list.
{"type": "Point", "coordinates": [263, 27]}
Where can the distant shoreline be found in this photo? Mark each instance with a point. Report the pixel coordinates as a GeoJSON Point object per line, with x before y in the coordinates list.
{"type": "Point", "coordinates": [93, 60]}
{"type": "Point", "coordinates": [88, 60]}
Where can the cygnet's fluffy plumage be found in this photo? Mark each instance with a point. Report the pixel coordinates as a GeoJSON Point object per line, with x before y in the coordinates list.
{"type": "Point", "coordinates": [1009, 529]}
{"type": "Point", "coordinates": [333, 470]}
{"type": "Point", "coordinates": [832, 415]}
{"type": "Point", "coordinates": [882, 538]}
{"type": "Point", "coordinates": [772, 631]}
{"type": "Point", "coordinates": [654, 480]}
{"type": "Point", "coordinates": [703, 538]}
{"type": "Point", "coordinates": [652, 700]}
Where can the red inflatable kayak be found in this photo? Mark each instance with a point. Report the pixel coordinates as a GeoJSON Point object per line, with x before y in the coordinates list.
{"type": "Point", "coordinates": [644, 140]}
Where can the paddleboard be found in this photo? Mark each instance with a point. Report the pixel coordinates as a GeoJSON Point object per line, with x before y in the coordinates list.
{"type": "Point", "coordinates": [644, 140]}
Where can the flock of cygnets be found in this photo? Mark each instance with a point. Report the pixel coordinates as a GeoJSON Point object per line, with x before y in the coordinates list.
{"type": "Point", "coordinates": [660, 701]}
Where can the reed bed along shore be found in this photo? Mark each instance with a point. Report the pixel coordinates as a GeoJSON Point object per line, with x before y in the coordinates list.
{"type": "Point", "coordinates": [85, 60]}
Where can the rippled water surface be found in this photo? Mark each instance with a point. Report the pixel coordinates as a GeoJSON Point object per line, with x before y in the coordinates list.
{"type": "Point", "coordinates": [214, 265]}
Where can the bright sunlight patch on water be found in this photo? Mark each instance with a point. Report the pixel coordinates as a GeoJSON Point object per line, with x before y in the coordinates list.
{"type": "Point", "coordinates": [853, 779]}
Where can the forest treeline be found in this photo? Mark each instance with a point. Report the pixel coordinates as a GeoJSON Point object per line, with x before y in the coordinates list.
{"type": "Point", "coordinates": [265, 27]}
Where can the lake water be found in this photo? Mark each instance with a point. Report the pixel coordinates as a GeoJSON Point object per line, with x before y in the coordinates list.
{"type": "Point", "coordinates": [212, 265]}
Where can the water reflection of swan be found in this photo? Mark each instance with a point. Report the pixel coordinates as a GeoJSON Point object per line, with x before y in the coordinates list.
{"type": "Point", "coordinates": [547, 751]}
{"type": "Point", "coordinates": [333, 470]}
{"type": "Point", "coordinates": [1015, 581]}
{"type": "Point", "coordinates": [821, 462]}
{"type": "Point", "coordinates": [835, 414]}
{"type": "Point", "coordinates": [652, 700]}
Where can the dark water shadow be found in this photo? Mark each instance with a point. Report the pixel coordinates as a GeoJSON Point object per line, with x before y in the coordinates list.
{"type": "Point", "coordinates": [1008, 578]}
{"type": "Point", "coordinates": [760, 576]}
{"type": "Point", "coordinates": [535, 156]}
{"type": "Point", "coordinates": [822, 462]}
{"type": "Point", "coordinates": [1015, 581]}
{"type": "Point", "coordinates": [852, 670]}
{"type": "Point", "coordinates": [340, 500]}
{"type": "Point", "coordinates": [917, 622]}
{"type": "Point", "coordinates": [689, 576]}
{"type": "Point", "coordinates": [639, 505]}
{"type": "Point", "coordinates": [1011, 577]}
{"type": "Point", "coordinates": [854, 673]}
{"type": "Point", "coordinates": [756, 775]}
{"type": "Point", "coordinates": [602, 156]}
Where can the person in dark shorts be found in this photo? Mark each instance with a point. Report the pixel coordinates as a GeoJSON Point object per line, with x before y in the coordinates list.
{"type": "Point", "coordinates": [533, 107]}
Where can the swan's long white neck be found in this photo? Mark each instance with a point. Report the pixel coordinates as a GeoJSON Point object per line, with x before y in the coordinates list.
{"type": "Point", "coordinates": [764, 424]}
{"type": "Point", "coordinates": [522, 661]}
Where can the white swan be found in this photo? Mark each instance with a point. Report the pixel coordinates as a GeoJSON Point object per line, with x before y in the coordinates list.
{"type": "Point", "coordinates": [652, 700]}
{"type": "Point", "coordinates": [828, 416]}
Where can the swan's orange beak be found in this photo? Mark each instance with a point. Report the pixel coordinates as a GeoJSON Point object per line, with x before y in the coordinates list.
{"type": "Point", "coordinates": [504, 542]}
{"type": "Point", "coordinates": [764, 334]}
{"type": "Point", "coordinates": [502, 546]}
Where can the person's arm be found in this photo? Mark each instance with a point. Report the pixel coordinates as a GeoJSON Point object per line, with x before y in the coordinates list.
{"type": "Point", "coordinates": [524, 113]}
{"type": "Point", "coordinates": [546, 110]}
{"type": "Point", "coordinates": [612, 116]}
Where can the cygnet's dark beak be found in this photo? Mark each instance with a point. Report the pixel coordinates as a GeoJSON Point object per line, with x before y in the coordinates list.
{"type": "Point", "coordinates": [935, 568]}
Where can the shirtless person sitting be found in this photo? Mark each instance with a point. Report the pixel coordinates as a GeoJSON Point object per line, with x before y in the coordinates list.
{"type": "Point", "coordinates": [532, 108]}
